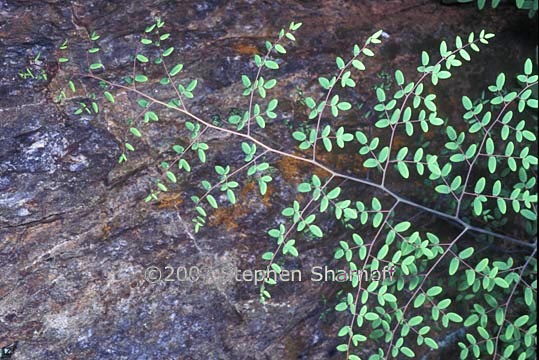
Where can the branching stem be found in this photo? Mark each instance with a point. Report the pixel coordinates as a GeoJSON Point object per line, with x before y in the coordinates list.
{"type": "Point", "coordinates": [451, 218]}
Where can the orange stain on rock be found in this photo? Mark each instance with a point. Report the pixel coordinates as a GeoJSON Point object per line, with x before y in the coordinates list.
{"type": "Point", "coordinates": [167, 201]}
{"type": "Point", "coordinates": [294, 171]}
{"type": "Point", "coordinates": [251, 190]}
{"type": "Point", "coordinates": [230, 214]}
{"type": "Point", "coordinates": [225, 216]}
{"type": "Point", "coordinates": [245, 49]}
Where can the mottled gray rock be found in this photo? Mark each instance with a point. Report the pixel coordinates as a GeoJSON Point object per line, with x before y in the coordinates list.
{"type": "Point", "coordinates": [75, 234]}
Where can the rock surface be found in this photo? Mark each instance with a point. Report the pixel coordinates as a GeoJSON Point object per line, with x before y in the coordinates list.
{"type": "Point", "coordinates": [75, 233]}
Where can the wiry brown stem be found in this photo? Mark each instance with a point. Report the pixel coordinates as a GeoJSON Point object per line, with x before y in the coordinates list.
{"type": "Point", "coordinates": [451, 218]}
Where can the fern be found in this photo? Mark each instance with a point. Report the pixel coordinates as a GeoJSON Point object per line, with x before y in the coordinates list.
{"type": "Point", "coordinates": [482, 169]}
